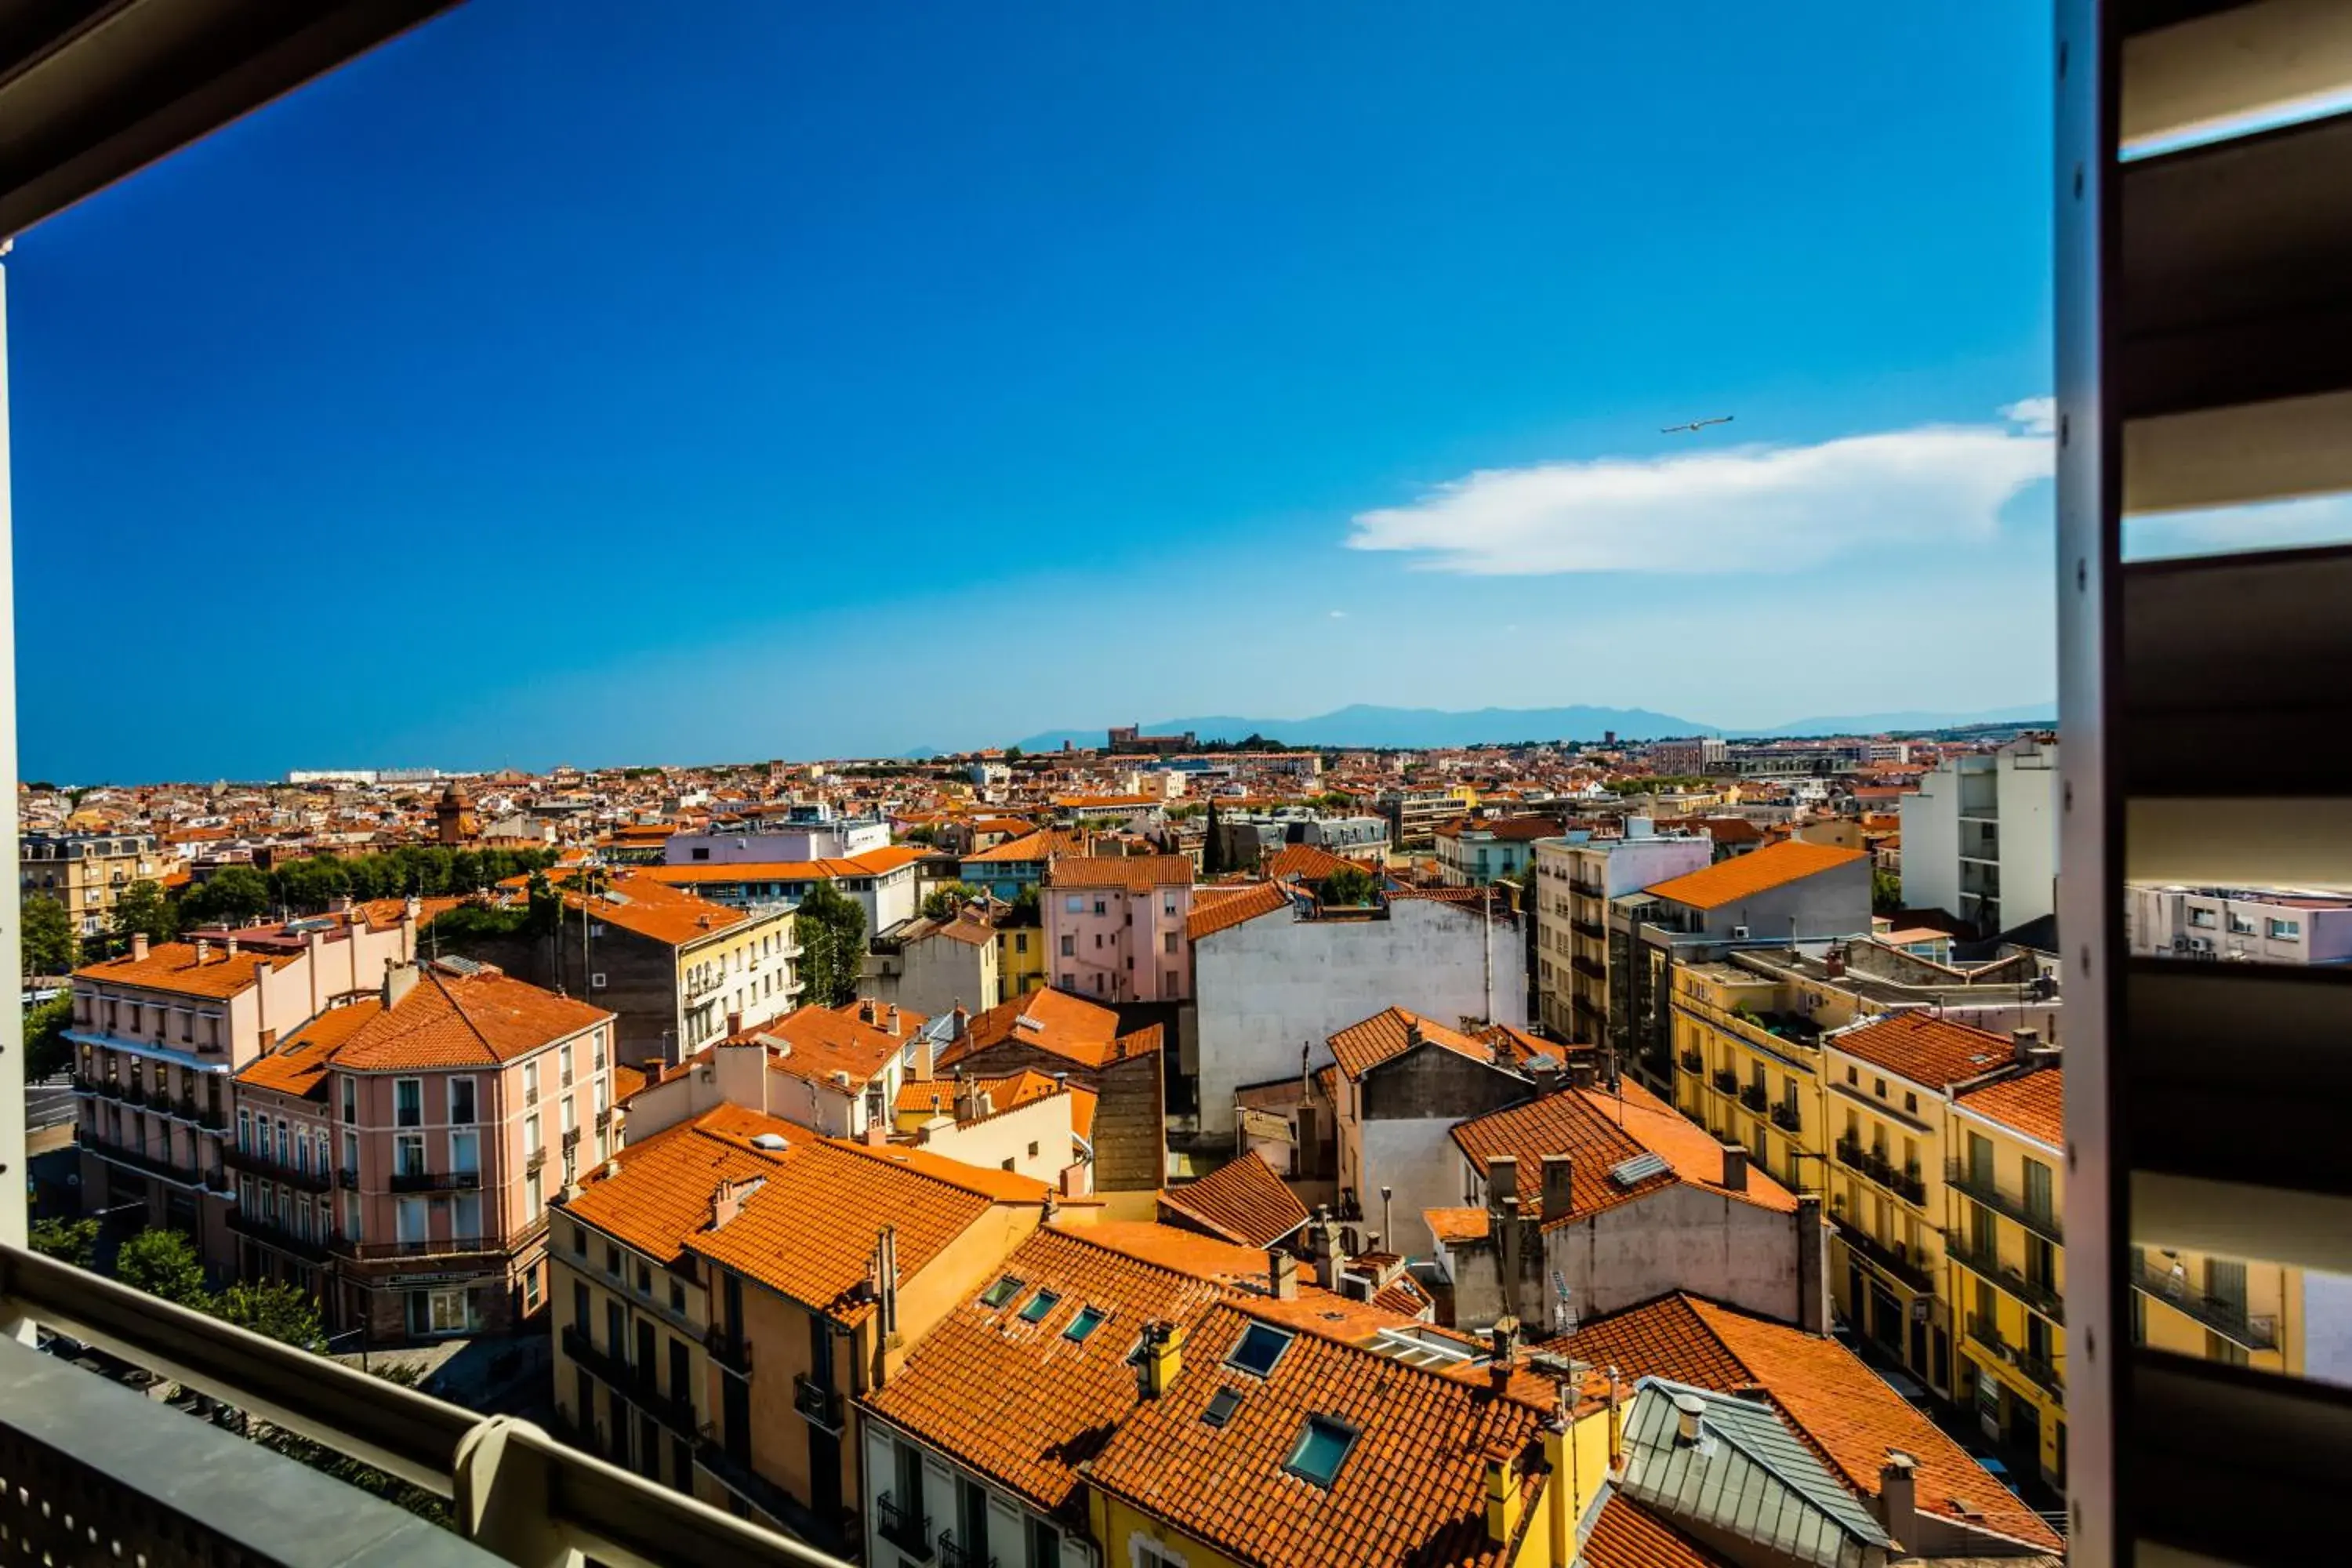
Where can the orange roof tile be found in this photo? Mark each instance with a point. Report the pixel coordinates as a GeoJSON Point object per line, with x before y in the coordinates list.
{"type": "Point", "coordinates": [171, 966]}
{"type": "Point", "coordinates": [1202, 1256]}
{"type": "Point", "coordinates": [1306, 862]}
{"type": "Point", "coordinates": [476, 1020]}
{"type": "Point", "coordinates": [1383, 1036]}
{"type": "Point", "coordinates": [649, 908]}
{"type": "Point", "coordinates": [1842, 1408]}
{"type": "Point", "coordinates": [1243, 1201]}
{"type": "Point", "coordinates": [1033, 846]}
{"type": "Point", "coordinates": [1136, 873]}
{"type": "Point", "coordinates": [1624, 1534]}
{"type": "Point", "coordinates": [1411, 1488]}
{"type": "Point", "coordinates": [1601, 1129]}
{"type": "Point", "coordinates": [1745, 875]}
{"type": "Point", "coordinates": [2032, 1104]}
{"type": "Point", "coordinates": [299, 1067]}
{"type": "Point", "coordinates": [662, 1193]}
{"type": "Point", "coordinates": [1925, 1048]}
{"type": "Point", "coordinates": [872, 863]}
{"type": "Point", "coordinates": [815, 1042]}
{"type": "Point", "coordinates": [1055, 1022]}
{"type": "Point", "coordinates": [1020, 1401]}
{"type": "Point", "coordinates": [1220, 908]}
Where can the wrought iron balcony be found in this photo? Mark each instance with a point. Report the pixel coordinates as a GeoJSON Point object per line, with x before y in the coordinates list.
{"type": "Point", "coordinates": [2249, 1331]}
{"type": "Point", "coordinates": [954, 1553]}
{"type": "Point", "coordinates": [435, 1181]}
{"type": "Point", "coordinates": [1754, 1098]}
{"type": "Point", "coordinates": [907, 1528]}
{"type": "Point", "coordinates": [821, 1406]}
{"type": "Point", "coordinates": [731, 1355]}
{"type": "Point", "coordinates": [640, 1385]}
{"type": "Point", "coordinates": [2040, 1371]}
{"type": "Point", "coordinates": [1785, 1117]}
{"type": "Point", "coordinates": [2042, 1296]}
{"type": "Point", "coordinates": [1694, 1061]}
{"type": "Point", "coordinates": [467, 1247]}
{"type": "Point", "coordinates": [1985, 1191]}
{"type": "Point", "coordinates": [254, 1162]}
{"type": "Point", "coordinates": [535, 1159]}
{"type": "Point", "coordinates": [270, 1233]}
{"type": "Point", "coordinates": [1726, 1081]}
{"type": "Point", "coordinates": [109, 1475]}
{"type": "Point", "coordinates": [1896, 1262]}
{"type": "Point", "coordinates": [169, 1170]}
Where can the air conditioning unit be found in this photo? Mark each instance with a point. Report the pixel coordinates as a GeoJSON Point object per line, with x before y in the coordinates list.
{"type": "Point", "coordinates": [1739, 933]}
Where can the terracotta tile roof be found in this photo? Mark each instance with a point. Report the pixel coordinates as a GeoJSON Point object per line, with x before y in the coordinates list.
{"type": "Point", "coordinates": [1917, 1044]}
{"type": "Point", "coordinates": [299, 1067]}
{"type": "Point", "coordinates": [171, 966]}
{"type": "Point", "coordinates": [626, 1081]}
{"type": "Point", "coordinates": [1054, 1022]}
{"type": "Point", "coordinates": [1308, 862]}
{"type": "Point", "coordinates": [814, 1043]}
{"type": "Point", "coordinates": [936, 1097]}
{"type": "Point", "coordinates": [1021, 1401]}
{"type": "Point", "coordinates": [2032, 1104]}
{"type": "Point", "coordinates": [1624, 1534]}
{"type": "Point", "coordinates": [1410, 1488]}
{"type": "Point", "coordinates": [981, 1180]}
{"type": "Point", "coordinates": [1136, 873]}
{"type": "Point", "coordinates": [1721, 829]}
{"type": "Point", "coordinates": [1601, 1129]}
{"type": "Point", "coordinates": [1031, 846]}
{"type": "Point", "coordinates": [872, 863]}
{"type": "Point", "coordinates": [477, 1020]}
{"type": "Point", "coordinates": [1220, 908]}
{"type": "Point", "coordinates": [809, 1232]}
{"type": "Point", "coordinates": [1383, 1036]}
{"type": "Point", "coordinates": [887, 1016]}
{"type": "Point", "coordinates": [1745, 875]}
{"type": "Point", "coordinates": [661, 1196]}
{"type": "Point", "coordinates": [1503, 829]}
{"type": "Point", "coordinates": [1455, 1225]}
{"type": "Point", "coordinates": [1243, 1201]}
{"type": "Point", "coordinates": [1844, 1411]}
{"type": "Point", "coordinates": [649, 908]}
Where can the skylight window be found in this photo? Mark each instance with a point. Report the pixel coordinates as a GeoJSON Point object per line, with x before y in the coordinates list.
{"type": "Point", "coordinates": [1221, 1406]}
{"type": "Point", "coordinates": [1043, 1302]}
{"type": "Point", "coordinates": [1004, 1291]}
{"type": "Point", "coordinates": [1088, 1320]}
{"type": "Point", "coordinates": [1261, 1346]}
{"type": "Point", "coordinates": [1322, 1447]}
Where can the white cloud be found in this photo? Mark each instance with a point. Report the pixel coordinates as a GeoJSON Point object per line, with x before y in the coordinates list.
{"type": "Point", "coordinates": [2038, 415]}
{"type": "Point", "coordinates": [1339, 615]}
{"type": "Point", "coordinates": [2275, 525]}
{"type": "Point", "coordinates": [1739, 509]}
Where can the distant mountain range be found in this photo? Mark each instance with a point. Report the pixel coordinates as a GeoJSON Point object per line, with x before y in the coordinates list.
{"type": "Point", "coordinates": [1363, 724]}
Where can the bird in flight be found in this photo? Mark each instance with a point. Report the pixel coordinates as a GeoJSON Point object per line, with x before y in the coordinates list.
{"type": "Point", "coordinates": [1693, 425]}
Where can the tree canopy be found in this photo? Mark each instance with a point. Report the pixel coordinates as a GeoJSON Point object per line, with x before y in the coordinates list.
{"type": "Point", "coordinates": [943, 902]}
{"type": "Point", "coordinates": [142, 909]}
{"type": "Point", "coordinates": [1348, 886]}
{"type": "Point", "coordinates": [50, 946]}
{"type": "Point", "coordinates": [47, 1052]}
{"type": "Point", "coordinates": [231, 896]}
{"type": "Point", "coordinates": [162, 1263]}
{"type": "Point", "coordinates": [831, 930]}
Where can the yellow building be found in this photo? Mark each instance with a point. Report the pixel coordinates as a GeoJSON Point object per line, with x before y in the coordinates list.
{"type": "Point", "coordinates": [2219, 1309]}
{"type": "Point", "coordinates": [1020, 964]}
{"type": "Point", "coordinates": [1748, 1064]}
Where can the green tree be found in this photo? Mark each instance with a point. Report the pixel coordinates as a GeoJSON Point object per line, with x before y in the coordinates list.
{"type": "Point", "coordinates": [942, 902]}
{"type": "Point", "coordinates": [162, 1263]}
{"type": "Point", "coordinates": [1213, 848]}
{"type": "Point", "coordinates": [1348, 886]}
{"type": "Point", "coordinates": [47, 1052]}
{"type": "Point", "coordinates": [284, 1312]}
{"type": "Point", "coordinates": [142, 909]}
{"type": "Point", "coordinates": [921, 832]}
{"type": "Point", "coordinates": [49, 936]}
{"type": "Point", "coordinates": [1028, 907]}
{"type": "Point", "coordinates": [1886, 892]}
{"type": "Point", "coordinates": [1012, 753]}
{"type": "Point", "coordinates": [73, 1241]}
{"type": "Point", "coordinates": [831, 930]}
{"type": "Point", "coordinates": [231, 896]}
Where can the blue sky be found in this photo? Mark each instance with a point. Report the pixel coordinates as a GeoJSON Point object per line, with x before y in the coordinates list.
{"type": "Point", "coordinates": [562, 384]}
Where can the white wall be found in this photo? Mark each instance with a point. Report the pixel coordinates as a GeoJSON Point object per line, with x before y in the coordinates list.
{"type": "Point", "coordinates": [1267, 985]}
{"type": "Point", "coordinates": [1421, 1161]}
{"type": "Point", "coordinates": [1931, 844]}
{"type": "Point", "coordinates": [2029, 834]}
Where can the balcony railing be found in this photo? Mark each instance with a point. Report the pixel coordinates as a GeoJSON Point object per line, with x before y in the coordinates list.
{"type": "Point", "coordinates": [1904, 1181]}
{"type": "Point", "coordinates": [2040, 1371]}
{"type": "Point", "coordinates": [821, 1406]}
{"type": "Point", "coordinates": [1727, 1081]}
{"type": "Point", "coordinates": [435, 1181]}
{"type": "Point", "coordinates": [255, 1163]}
{"type": "Point", "coordinates": [907, 1529]}
{"type": "Point", "coordinates": [169, 1170]}
{"type": "Point", "coordinates": [1592, 928]}
{"type": "Point", "coordinates": [2040, 1296]}
{"type": "Point", "coordinates": [269, 1232]}
{"type": "Point", "coordinates": [2006, 1204]}
{"type": "Point", "coordinates": [1786, 1116]}
{"type": "Point", "coordinates": [1896, 1261]}
{"type": "Point", "coordinates": [535, 1159]}
{"type": "Point", "coordinates": [954, 1553]}
{"type": "Point", "coordinates": [1694, 1061]}
{"type": "Point", "coordinates": [106, 1471]}
{"type": "Point", "coordinates": [640, 1385]}
{"type": "Point", "coordinates": [1754, 1098]}
{"type": "Point", "coordinates": [731, 1354]}
{"type": "Point", "coordinates": [1592, 968]}
{"type": "Point", "coordinates": [2251, 1330]}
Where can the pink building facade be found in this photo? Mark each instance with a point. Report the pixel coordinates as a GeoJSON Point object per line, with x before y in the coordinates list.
{"type": "Point", "coordinates": [1114, 927]}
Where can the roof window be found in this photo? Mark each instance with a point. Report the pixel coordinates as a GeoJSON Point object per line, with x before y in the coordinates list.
{"type": "Point", "coordinates": [1261, 1346]}
{"type": "Point", "coordinates": [1004, 1291]}
{"type": "Point", "coordinates": [1321, 1448]}
{"type": "Point", "coordinates": [1043, 1302]}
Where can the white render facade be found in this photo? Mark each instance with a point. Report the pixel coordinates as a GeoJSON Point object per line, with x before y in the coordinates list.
{"type": "Point", "coordinates": [1980, 838]}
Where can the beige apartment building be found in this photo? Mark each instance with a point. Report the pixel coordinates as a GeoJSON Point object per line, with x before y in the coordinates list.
{"type": "Point", "coordinates": [87, 872]}
{"type": "Point", "coordinates": [1576, 876]}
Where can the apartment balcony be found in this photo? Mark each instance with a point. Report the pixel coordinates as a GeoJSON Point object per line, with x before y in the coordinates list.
{"type": "Point", "coordinates": [2248, 1331]}
{"type": "Point", "coordinates": [1787, 1118]}
{"type": "Point", "coordinates": [147, 1164]}
{"type": "Point", "coordinates": [818, 1406]}
{"type": "Point", "coordinates": [903, 1527]}
{"type": "Point", "coordinates": [729, 1354]}
{"type": "Point", "coordinates": [1896, 1262]}
{"type": "Point", "coordinates": [435, 1181]}
{"type": "Point", "coordinates": [1584, 890]}
{"type": "Point", "coordinates": [1592, 928]}
{"type": "Point", "coordinates": [1905, 1182]}
{"type": "Point", "coordinates": [535, 1159]}
{"type": "Point", "coordinates": [1726, 1081]}
{"type": "Point", "coordinates": [604, 1121]}
{"type": "Point", "coordinates": [2006, 1204]}
{"type": "Point", "coordinates": [99, 1473]}
{"type": "Point", "coordinates": [2040, 1371]}
{"type": "Point", "coordinates": [1753, 1096]}
{"type": "Point", "coordinates": [1694, 1061]}
{"type": "Point", "coordinates": [1592, 968]}
{"type": "Point", "coordinates": [639, 1385]}
{"type": "Point", "coordinates": [269, 1233]}
{"type": "Point", "coordinates": [2040, 1295]}
{"type": "Point", "coordinates": [269, 1168]}
{"type": "Point", "coordinates": [954, 1554]}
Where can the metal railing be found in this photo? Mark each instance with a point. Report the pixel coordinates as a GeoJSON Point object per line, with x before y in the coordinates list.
{"type": "Point", "coordinates": [1694, 1061]}
{"type": "Point", "coordinates": [1753, 1096]}
{"type": "Point", "coordinates": [1786, 1116]}
{"type": "Point", "coordinates": [435, 1181]}
{"type": "Point", "coordinates": [517, 1495]}
{"type": "Point", "coordinates": [730, 1353]}
{"type": "Point", "coordinates": [2042, 1296]}
{"type": "Point", "coordinates": [819, 1406]}
{"type": "Point", "coordinates": [903, 1527]}
{"type": "Point", "coordinates": [954, 1553]}
{"type": "Point", "coordinates": [270, 1233]}
{"type": "Point", "coordinates": [2251, 1330]}
{"type": "Point", "coordinates": [1895, 1261]}
{"type": "Point", "coordinates": [640, 1385]}
{"type": "Point", "coordinates": [1985, 1191]}
{"type": "Point", "coordinates": [1726, 1081]}
{"type": "Point", "coordinates": [171, 1170]}
{"type": "Point", "coordinates": [2040, 1371]}
{"type": "Point", "coordinates": [259, 1164]}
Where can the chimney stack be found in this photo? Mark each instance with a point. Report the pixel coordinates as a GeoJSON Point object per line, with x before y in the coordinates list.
{"type": "Point", "coordinates": [1502, 1179]}
{"type": "Point", "coordinates": [1735, 1168]}
{"type": "Point", "coordinates": [1323, 1237]}
{"type": "Point", "coordinates": [1834, 963]}
{"type": "Point", "coordinates": [1411, 1033]}
{"type": "Point", "coordinates": [893, 1016]}
{"type": "Point", "coordinates": [1557, 1171]}
{"type": "Point", "coordinates": [1688, 1408]}
{"type": "Point", "coordinates": [1163, 1358]}
{"type": "Point", "coordinates": [866, 1009]}
{"type": "Point", "coordinates": [139, 946]}
{"type": "Point", "coordinates": [1282, 1275]}
{"type": "Point", "coordinates": [1503, 1497]}
{"type": "Point", "coordinates": [734, 1024]}
{"type": "Point", "coordinates": [1812, 1266]}
{"type": "Point", "coordinates": [1898, 1495]}
{"type": "Point", "coordinates": [2023, 1044]}
{"type": "Point", "coordinates": [203, 948]}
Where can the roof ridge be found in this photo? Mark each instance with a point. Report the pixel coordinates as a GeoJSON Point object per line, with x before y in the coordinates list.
{"type": "Point", "coordinates": [1156, 1266]}
{"type": "Point", "coordinates": [432, 972]}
